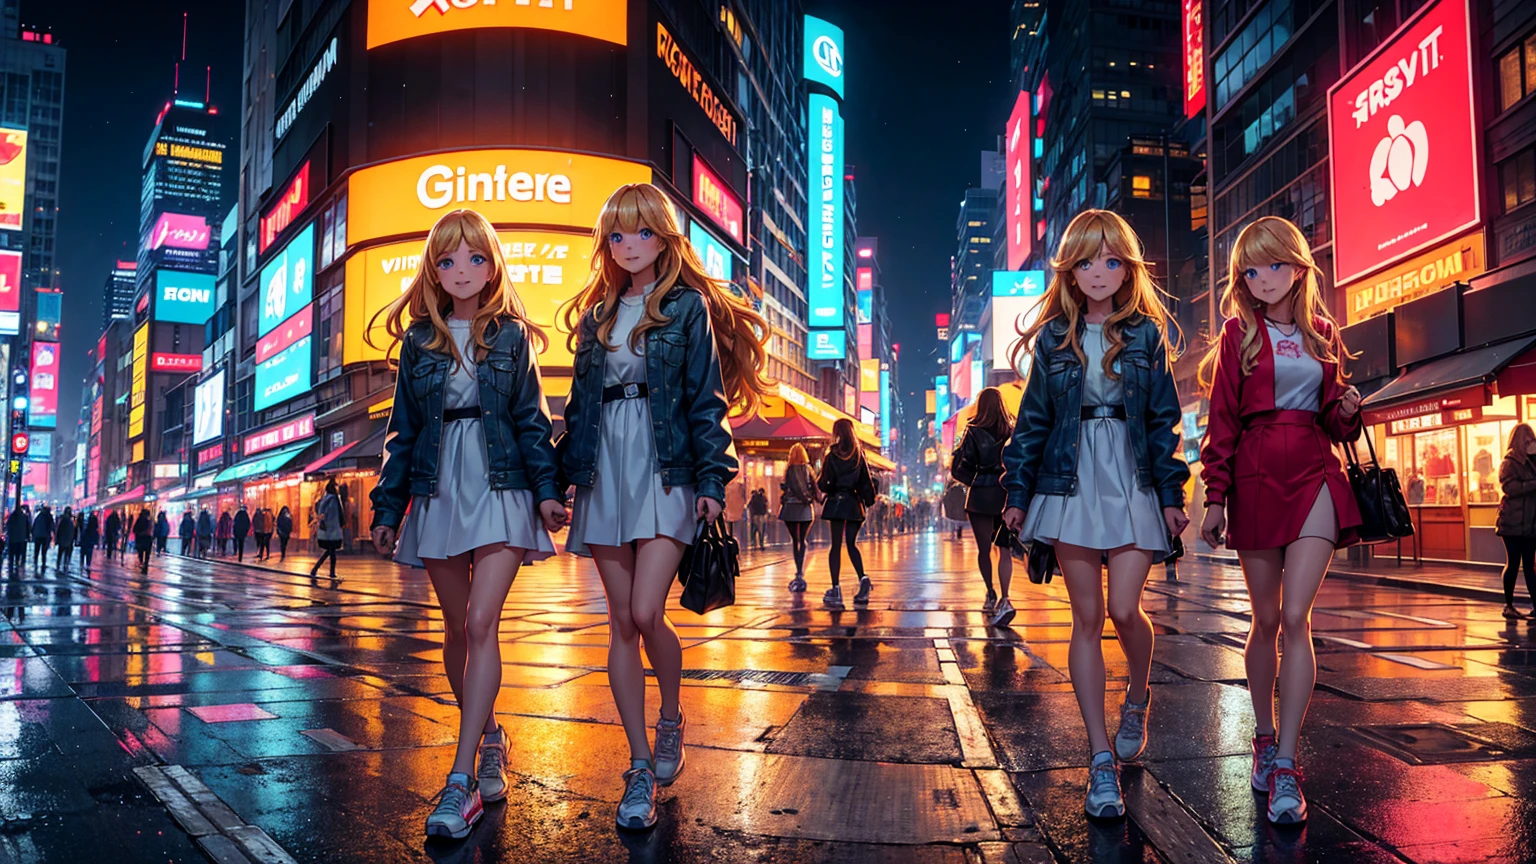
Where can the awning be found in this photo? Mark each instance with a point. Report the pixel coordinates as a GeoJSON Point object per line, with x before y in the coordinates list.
{"type": "Point", "coordinates": [328, 458]}
{"type": "Point", "coordinates": [136, 494]}
{"type": "Point", "coordinates": [261, 465]}
{"type": "Point", "coordinates": [193, 494]}
{"type": "Point", "coordinates": [349, 458]}
{"type": "Point", "coordinates": [1463, 380]}
{"type": "Point", "coordinates": [877, 461]}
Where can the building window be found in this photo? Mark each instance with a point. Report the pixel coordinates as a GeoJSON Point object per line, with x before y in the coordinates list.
{"type": "Point", "coordinates": [1517, 179]}
{"type": "Point", "coordinates": [1517, 72]}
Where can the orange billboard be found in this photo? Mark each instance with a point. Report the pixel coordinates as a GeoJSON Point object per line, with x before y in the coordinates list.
{"type": "Point", "coordinates": [545, 267]}
{"type": "Point", "coordinates": [534, 187]}
{"type": "Point", "coordinates": [394, 20]}
{"type": "Point", "coordinates": [13, 178]}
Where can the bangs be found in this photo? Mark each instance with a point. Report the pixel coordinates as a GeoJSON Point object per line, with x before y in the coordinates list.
{"type": "Point", "coordinates": [466, 226]}
{"type": "Point", "coordinates": [1264, 243]}
{"type": "Point", "coordinates": [1100, 231]}
{"type": "Point", "coordinates": [635, 207]}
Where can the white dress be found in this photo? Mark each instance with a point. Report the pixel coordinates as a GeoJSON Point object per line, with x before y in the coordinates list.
{"type": "Point", "coordinates": [466, 513]}
{"type": "Point", "coordinates": [627, 500]}
{"type": "Point", "coordinates": [1109, 509]}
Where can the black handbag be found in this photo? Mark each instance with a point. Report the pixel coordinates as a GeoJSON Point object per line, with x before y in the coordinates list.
{"type": "Point", "coordinates": [961, 466]}
{"type": "Point", "coordinates": [709, 568]}
{"type": "Point", "coordinates": [1384, 514]}
{"type": "Point", "coordinates": [1042, 562]}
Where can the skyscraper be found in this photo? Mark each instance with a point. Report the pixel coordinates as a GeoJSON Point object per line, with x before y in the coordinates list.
{"type": "Point", "coordinates": [117, 294]}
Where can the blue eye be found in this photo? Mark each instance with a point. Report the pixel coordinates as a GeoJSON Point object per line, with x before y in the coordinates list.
{"type": "Point", "coordinates": [1251, 272]}
{"type": "Point", "coordinates": [445, 264]}
{"type": "Point", "coordinates": [477, 259]}
{"type": "Point", "coordinates": [1113, 263]}
{"type": "Point", "coordinates": [645, 234]}
{"type": "Point", "coordinates": [1275, 267]}
{"type": "Point", "coordinates": [615, 237]}
{"type": "Point", "coordinates": [1084, 264]}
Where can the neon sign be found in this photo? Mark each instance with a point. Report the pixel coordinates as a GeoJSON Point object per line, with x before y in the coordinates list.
{"type": "Point", "coordinates": [717, 202]}
{"type": "Point", "coordinates": [688, 75]}
{"type": "Point", "coordinates": [826, 212]}
{"type": "Point", "coordinates": [289, 205]}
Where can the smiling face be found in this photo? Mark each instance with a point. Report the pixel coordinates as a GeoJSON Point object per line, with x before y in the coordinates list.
{"type": "Point", "coordinates": [464, 271]}
{"type": "Point", "coordinates": [636, 250]}
{"type": "Point", "coordinates": [1101, 276]}
{"type": "Point", "coordinates": [1271, 282]}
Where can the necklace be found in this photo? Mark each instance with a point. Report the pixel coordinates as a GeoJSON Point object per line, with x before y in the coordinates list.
{"type": "Point", "coordinates": [1278, 326]}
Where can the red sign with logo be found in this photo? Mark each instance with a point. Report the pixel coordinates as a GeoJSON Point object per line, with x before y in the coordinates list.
{"type": "Point", "coordinates": [1194, 58]}
{"type": "Point", "coordinates": [10, 281]}
{"type": "Point", "coordinates": [711, 195]}
{"type": "Point", "coordinates": [45, 380]}
{"type": "Point", "coordinates": [1403, 136]}
{"type": "Point", "coordinates": [209, 454]}
{"type": "Point", "coordinates": [287, 333]}
{"type": "Point", "coordinates": [179, 231]}
{"type": "Point", "coordinates": [289, 205]}
{"type": "Point", "coordinates": [1020, 185]}
{"type": "Point", "coordinates": [175, 362]}
{"type": "Point", "coordinates": [283, 433]}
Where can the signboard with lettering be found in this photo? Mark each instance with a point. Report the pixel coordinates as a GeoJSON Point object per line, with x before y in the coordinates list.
{"type": "Point", "coordinates": [285, 209]}
{"type": "Point", "coordinates": [718, 203]}
{"type": "Point", "coordinates": [1441, 267]}
{"type": "Point", "coordinates": [279, 434]}
{"type": "Point", "coordinates": [184, 298]}
{"type": "Point", "coordinates": [394, 20]}
{"type": "Point", "coordinates": [824, 263]}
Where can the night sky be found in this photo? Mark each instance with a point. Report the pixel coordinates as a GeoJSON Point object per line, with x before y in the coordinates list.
{"type": "Point", "coordinates": [927, 91]}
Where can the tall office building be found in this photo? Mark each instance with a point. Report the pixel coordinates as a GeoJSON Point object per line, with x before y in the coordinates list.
{"type": "Point", "coordinates": [31, 123]}
{"type": "Point", "coordinates": [118, 293]}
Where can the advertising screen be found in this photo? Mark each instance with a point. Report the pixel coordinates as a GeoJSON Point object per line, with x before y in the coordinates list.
{"type": "Point", "coordinates": [719, 203]}
{"type": "Point", "coordinates": [827, 345]}
{"type": "Point", "coordinates": [279, 435]}
{"type": "Point", "coordinates": [50, 313]}
{"type": "Point", "coordinates": [160, 362]}
{"type": "Point", "coordinates": [287, 208]}
{"type": "Point", "coordinates": [712, 253]}
{"type": "Point", "coordinates": [824, 54]}
{"type": "Point", "coordinates": [140, 384]}
{"type": "Point", "coordinates": [541, 187]}
{"type": "Point", "coordinates": [1019, 182]}
{"type": "Point", "coordinates": [287, 282]}
{"type": "Point", "coordinates": [825, 161]}
{"type": "Point", "coordinates": [1016, 294]}
{"type": "Point", "coordinates": [179, 231]}
{"type": "Point", "coordinates": [547, 268]}
{"type": "Point", "coordinates": [285, 369]}
{"type": "Point", "coordinates": [1194, 57]}
{"type": "Point", "coordinates": [1402, 134]}
{"type": "Point", "coordinates": [10, 292]}
{"type": "Point", "coordinates": [41, 447]}
{"type": "Point", "coordinates": [394, 20]}
{"type": "Point", "coordinates": [864, 301]}
{"type": "Point", "coordinates": [208, 409]}
{"type": "Point", "coordinates": [13, 178]}
{"type": "Point", "coordinates": [44, 385]}
{"type": "Point", "coordinates": [885, 407]}
{"type": "Point", "coordinates": [184, 298]}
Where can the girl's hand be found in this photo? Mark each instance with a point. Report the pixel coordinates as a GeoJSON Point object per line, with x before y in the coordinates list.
{"type": "Point", "coordinates": [709, 509]}
{"type": "Point", "coordinates": [1176, 520]}
{"type": "Point", "coordinates": [1349, 403]}
{"type": "Point", "coordinates": [384, 539]}
{"type": "Point", "coordinates": [553, 513]}
{"type": "Point", "coordinates": [1013, 517]}
{"type": "Point", "coordinates": [1214, 528]}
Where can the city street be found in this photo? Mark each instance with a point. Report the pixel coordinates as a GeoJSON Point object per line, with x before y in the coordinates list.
{"type": "Point", "coordinates": [274, 717]}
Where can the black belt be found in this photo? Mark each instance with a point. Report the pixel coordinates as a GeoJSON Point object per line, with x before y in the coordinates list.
{"type": "Point", "coordinates": [470, 413]}
{"type": "Point", "coordinates": [624, 391]}
{"type": "Point", "coordinates": [1103, 412]}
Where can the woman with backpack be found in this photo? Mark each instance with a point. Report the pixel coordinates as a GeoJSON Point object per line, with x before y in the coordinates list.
{"type": "Point", "coordinates": [978, 464]}
{"type": "Point", "coordinates": [797, 508]}
{"type": "Point", "coordinates": [849, 489]}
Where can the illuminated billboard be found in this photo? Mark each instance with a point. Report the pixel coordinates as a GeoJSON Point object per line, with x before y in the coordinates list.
{"type": "Point", "coordinates": [1016, 295]}
{"type": "Point", "coordinates": [864, 301]}
{"type": "Point", "coordinates": [394, 20]}
{"type": "Point", "coordinates": [546, 268]}
{"type": "Point", "coordinates": [184, 298]}
{"type": "Point", "coordinates": [825, 161]}
{"type": "Point", "coordinates": [824, 54]}
{"type": "Point", "coordinates": [40, 447]}
{"type": "Point", "coordinates": [1194, 57]}
{"type": "Point", "coordinates": [288, 281]}
{"type": "Point", "coordinates": [1019, 182]}
{"type": "Point", "coordinates": [712, 253]}
{"type": "Point", "coordinates": [179, 231]}
{"type": "Point", "coordinates": [140, 384]}
{"type": "Point", "coordinates": [690, 76]}
{"type": "Point", "coordinates": [540, 187]}
{"type": "Point", "coordinates": [208, 409]}
{"type": "Point", "coordinates": [161, 362]}
{"type": "Point", "coordinates": [284, 363]}
{"type": "Point", "coordinates": [718, 203]}
{"type": "Point", "coordinates": [827, 345]}
{"type": "Point", "coordinates": [1402, 135]}
{"type": "Point", "coordinates": [13, 178]}
{"type": "Point", "coordinates": [1441, 267]}
{"type": "Point", "coordinates": [285, 209]}
{"type": "Point", "coordinates": [43, 409]}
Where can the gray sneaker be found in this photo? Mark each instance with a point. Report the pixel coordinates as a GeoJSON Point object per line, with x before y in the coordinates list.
{"type": "Point", "coordinates": [1132, 737]}
{"type": "Point", "coordinates": [1002, 614]}
{"type": "Point", "coordinates": [1287, 806]}
{"type": "Point", "coordinates": [989, 604]}
{"type": "Point", "coordinates": [797, 585]}
{"type": "Point", "coordinates": [1103, 800]}
{"type": "Point", "coordinates": [668, 754]}
{"type": "Point", "coordinates": [637, 809]}
{"type": "Point", "coordinates": [492, 774]}
{"type": "Point", "coordinates": [455, 809]}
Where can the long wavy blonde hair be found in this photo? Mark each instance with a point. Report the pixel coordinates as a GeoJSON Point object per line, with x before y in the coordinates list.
{"type": "Point", "coordinates": [740, 333]}
{"type": "Point", "coordinates": [1089, 233]}
{"type": "Point", "coordinates": [1272, 240]}
{"type": "Point", "coordinates": [425, 299]}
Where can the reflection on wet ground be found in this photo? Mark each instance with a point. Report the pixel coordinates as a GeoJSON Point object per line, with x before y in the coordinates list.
{"type": "Point", "coordinates": [315, 716]}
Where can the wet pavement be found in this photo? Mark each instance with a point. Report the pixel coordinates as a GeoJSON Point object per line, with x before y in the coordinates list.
{"type": "Point", "coordinates": [216, 711]}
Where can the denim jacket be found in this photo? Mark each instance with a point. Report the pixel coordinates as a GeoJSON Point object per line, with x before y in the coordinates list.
{"type": "Point", "coordinates": [1042, 455]}
{"type": "Point", "coordinates": [512, 410]}
{"type": "Point", "coordinates": [685, 392]}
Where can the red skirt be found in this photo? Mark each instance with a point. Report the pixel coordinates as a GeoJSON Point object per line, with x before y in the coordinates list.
{"type": "Point", "coordinates": [1283, 459]}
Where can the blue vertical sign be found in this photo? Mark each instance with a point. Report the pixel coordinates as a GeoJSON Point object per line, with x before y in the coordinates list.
{"type": "Point", "coordinates": [824, 54]}
{"type": "Point", "coordinates": [886, 420]}
{"type": "Point", "coordinates": [825, 161]}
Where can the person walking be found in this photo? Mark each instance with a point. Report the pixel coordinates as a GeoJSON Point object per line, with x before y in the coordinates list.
{"type": "Point", "coordinates": [1517, 515]}
{"type": "Point", "coordinates": [18, 527]}
{"type": "Point", "coordinates": [284, 531]}
{"type": "Point", "coordinates": [849, 489]}
{"type": "Point", "coordinates": [188, 533]}
{"type": "Point", "coordinates": [64, 537]}
{"type": "Point", "coordinates": [143, 538]}
{"type": "Point", "coordinates": [205, 533]}
{"type": "Point", "coordinates": [42, 535]}
{"type": "Point", "coordinates": [978, 463]}
{"type": "Point", "coordinates": [224, 533]}
{"type": "Point", "coordinates": [328, 528]}
{"type": "Point", "coordinates": [348, 517]}
{"type": "Point", "coordinates": [242, 530]}
{"type": "Point", "coordinates": [90, 535]}
{"type": "Point", "coordinates": [114, 529]}
{"type": "Point", "coordinates": [797, 510]}
{"type": "Point", "coordinates": [736, 507]}
{"type": "Point", "coordinates": [757, 511]}
{"type": "Point", "coordinates": [261, 527]}
{"type": "Point", "coordinates": [162, 532]}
